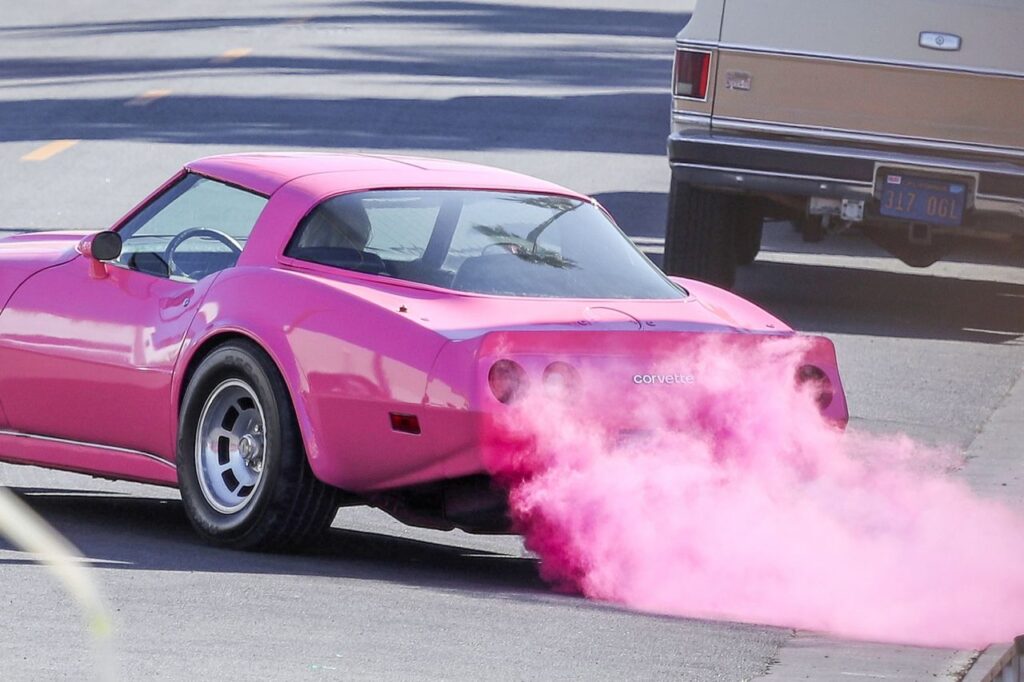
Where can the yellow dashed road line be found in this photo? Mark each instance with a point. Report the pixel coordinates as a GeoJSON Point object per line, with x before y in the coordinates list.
{"type": "Point", "coordinates": [49, 149]}
{"type": "Point", "coordinates": [147, 98]}
{"type": "Point", "coordinates": [231, 55]}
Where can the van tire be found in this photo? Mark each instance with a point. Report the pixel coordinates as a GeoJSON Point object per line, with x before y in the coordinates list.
{"type": "Point", "coordinates": [700, 237]}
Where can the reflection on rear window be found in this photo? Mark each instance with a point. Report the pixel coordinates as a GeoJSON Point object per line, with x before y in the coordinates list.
{"type": "Point", "coordinates": [502, 243]}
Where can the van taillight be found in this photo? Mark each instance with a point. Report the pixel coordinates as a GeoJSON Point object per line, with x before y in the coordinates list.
{"type": "Point", "coordinates": [693, 69]}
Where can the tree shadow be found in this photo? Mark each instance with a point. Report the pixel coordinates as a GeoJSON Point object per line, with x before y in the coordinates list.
{"type": "Point", "coordinates": [459, 123]}
{"type": "Point", "coordinates": [622, 121]}
{"type": "Point", "coordinates": [452, 14]}
{"type": "Point", "coordinates": [511, 17]}
{"type": "Point", "coordinates": [538, 67]}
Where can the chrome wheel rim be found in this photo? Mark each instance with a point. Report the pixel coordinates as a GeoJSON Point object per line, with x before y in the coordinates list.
{"type": "Point", "coordinates": [231, 446]}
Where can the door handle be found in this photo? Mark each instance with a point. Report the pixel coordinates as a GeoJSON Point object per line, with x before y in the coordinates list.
{"type": "Point", "coordinates": [182, 300]}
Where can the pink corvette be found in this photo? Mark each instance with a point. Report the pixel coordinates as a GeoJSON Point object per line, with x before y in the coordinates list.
{"type": "Point", "coordinates": [280, 334]}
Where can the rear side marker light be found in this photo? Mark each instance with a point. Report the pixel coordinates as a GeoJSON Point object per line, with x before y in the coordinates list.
{"type": "Point", "coordinates": [507, 380]}
{"type": "Point", "coordinates": [692, 73]}
{"type": "Point", "coordinates": [823, 392]}
{"type": "Point", "coordinates": [405, 423]}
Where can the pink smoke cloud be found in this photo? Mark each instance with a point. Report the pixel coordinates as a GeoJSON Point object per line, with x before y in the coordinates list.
{"type": "Point", "coordinates": [732, 498]}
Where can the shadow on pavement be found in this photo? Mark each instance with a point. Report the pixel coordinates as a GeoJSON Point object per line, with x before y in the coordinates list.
{"type": "Point", "coordinates": [454, 14]}
{"type": "Point", "coordinates": [850, 300]}
{"type": "Point", "coordinates": [469, 123]}
{"type": "Point", "coordinates": [533, 66]}
{"type": "Point", "coordinates": [121, 531]}
{"type": "Point", "coordinates": [639, 214]}
{"type": "Point", "coordinates": [625, 121]}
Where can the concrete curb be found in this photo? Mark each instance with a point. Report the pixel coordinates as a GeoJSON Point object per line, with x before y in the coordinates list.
{"type": "Point", "coordinates": [998, 663]}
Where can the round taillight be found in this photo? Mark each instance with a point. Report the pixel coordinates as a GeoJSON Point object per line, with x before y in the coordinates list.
{"type": "Point", "coordinates": [822, 385]}
{"type": "Point", "coordinates": [561, 379]}
{"type": "Point", "coordinates": [507, 380]}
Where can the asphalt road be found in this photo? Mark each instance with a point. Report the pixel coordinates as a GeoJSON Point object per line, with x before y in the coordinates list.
{"type": "Point", "coordinates": [563, 90]}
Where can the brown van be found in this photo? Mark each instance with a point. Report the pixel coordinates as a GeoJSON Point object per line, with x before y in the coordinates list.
{"type": "Point", "coordinates": [904, 117]}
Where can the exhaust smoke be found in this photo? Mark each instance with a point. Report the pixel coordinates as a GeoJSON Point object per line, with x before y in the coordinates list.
{"type": "Point", "coordinates": [729, 496]}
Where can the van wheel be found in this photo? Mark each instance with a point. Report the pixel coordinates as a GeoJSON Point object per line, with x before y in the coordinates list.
{"type": "Point", "coordinates": [700, 237]}
{"type": "Point", "coordinates": [244, 478]}
{"type": "Point", "coordinates": [813, 227]}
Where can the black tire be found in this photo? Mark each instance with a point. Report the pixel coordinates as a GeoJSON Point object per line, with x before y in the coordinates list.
{"type": "Point", "coordinates": [700, 238]}
{"type": "Point", "coordinates": [749, 230]}
{"type": "Point", "coordinates": [288, 506]}
{"type": "Point", "coordinates": [812, 228]}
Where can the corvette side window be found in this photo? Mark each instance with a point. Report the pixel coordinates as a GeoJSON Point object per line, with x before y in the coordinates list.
{"type": "Point", "coordinates": [400, 227]}
{"type": "Point", "coordinates": [194, 229]}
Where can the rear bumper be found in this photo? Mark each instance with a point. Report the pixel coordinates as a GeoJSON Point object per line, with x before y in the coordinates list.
{"type": "Point", "coordinates": [772, 166]}
{"type": "Point", "coordinates": [631, 383]}
{"type": "Point", "coordinates": [617, 377]}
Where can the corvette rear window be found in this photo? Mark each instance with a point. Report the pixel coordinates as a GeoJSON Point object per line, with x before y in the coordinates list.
{"type": "Point", "coordinates": [502, 243]}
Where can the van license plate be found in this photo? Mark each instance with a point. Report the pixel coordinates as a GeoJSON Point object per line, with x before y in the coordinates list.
{"type": "Point", "coordinates": [925, 200]}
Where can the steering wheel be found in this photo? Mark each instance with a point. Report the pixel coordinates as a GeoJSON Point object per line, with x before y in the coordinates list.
{"type": "Point", "coordinates": [193, 232]}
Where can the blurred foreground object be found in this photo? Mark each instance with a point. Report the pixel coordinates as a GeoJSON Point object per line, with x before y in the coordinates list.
{"type": "Point", "coordinates": [29, 532]}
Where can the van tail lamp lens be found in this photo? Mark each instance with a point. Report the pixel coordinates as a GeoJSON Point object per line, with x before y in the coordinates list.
{"type": "Point", "coordinates": [405, 423]}
{"type": "Point", "coordinates": [507, 380]}
{"type": "Point", "coordinates": [822, 385]}
{"type": "Point", "coordinates": [561, 379]}
{"type": "Point", "coordinates": [693, 69]}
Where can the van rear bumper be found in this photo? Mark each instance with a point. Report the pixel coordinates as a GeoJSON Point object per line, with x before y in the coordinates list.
{"type": "Point", "coordinates": [771, 166]}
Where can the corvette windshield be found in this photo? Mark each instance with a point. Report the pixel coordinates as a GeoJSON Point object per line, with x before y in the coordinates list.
{"type": "Point", "coordinates": [503, 243]}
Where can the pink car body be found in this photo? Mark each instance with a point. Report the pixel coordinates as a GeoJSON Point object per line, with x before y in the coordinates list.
{"type": "Point", "coordinates": [95, 357]}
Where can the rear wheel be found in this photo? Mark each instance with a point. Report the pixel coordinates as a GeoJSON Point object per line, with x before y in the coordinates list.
{"type": "Point", "coordinates": [242, 469]}
{"type": "Point", "coordinates": [700, 239]}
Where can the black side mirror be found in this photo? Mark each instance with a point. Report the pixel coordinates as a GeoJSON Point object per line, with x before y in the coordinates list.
{"type": "Point", "coordinates": [106, 245]}
{"type": "Point", "coordinates": [100, 247]}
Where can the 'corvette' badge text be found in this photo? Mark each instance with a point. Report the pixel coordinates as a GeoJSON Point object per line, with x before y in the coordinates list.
{"type": "Point", "coordinates": [663, 379]}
